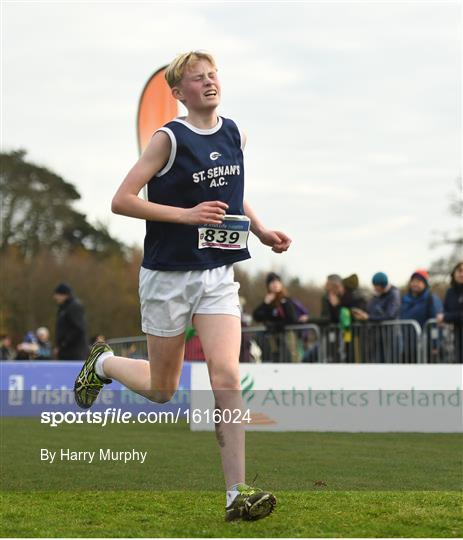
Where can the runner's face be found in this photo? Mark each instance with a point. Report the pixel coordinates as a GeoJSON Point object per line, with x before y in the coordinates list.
{"type": "Point", "coordinates": [200, 86]}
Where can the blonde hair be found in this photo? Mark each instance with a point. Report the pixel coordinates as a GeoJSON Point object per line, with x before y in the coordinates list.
{"type": "Point", "coordinates": [176, 68]}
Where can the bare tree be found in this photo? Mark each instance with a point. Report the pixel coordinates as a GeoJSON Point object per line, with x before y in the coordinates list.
{"type": "Point", "coordinates": [441, 268]}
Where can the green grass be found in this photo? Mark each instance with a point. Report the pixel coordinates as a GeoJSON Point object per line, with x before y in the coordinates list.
{"type": "Point", "coordinates": [200, 514]}
{"type": "Point", "coordinates": [377, 485]}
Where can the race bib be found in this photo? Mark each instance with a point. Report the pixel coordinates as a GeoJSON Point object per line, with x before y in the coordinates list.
{"type": "Point", "coordinates": [232, 233]}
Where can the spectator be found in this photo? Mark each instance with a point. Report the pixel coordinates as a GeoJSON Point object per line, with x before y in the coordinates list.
{"type": "Point", "coordinates": [341, 293]}
{"type": "Point", "coordinates": [380, 343]}
{"type": "Point", "coordinates": [453, 309]}
{"type": "Point", "coordinates": [276, 311]}
{"type": "Point", "coordinates": [384, 306]}
{"type": "Point", "coordinates": [28, 348]}
{"type": "Point", "coordinates": [43, 342]}
{"type": "Point", "coordinates": [6, 350]}
{"type": "Point", "coordinates": [420, 304]}
{"type": "Point", "coordinates": [71, 340]}
{"type": "Point", "coordinates": [340, 297]}
{"type": "Point", "coordinates": [331, 286]}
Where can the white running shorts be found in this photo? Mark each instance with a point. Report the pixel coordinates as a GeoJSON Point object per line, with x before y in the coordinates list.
{"type": "Point", "coordinates": [169, 299]}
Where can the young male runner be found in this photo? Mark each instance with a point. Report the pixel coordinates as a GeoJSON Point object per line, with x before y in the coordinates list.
{"type": "Point", "coordinates": [196, 228]}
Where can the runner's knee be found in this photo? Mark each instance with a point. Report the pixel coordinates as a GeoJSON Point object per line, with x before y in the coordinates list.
{"type": "Point", "coordinates": [225, 380]}
{"type": "Point", "coordinates": [160, 396]}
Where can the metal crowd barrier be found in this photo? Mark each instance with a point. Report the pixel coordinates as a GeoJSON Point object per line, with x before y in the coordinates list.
{"type": "Point", "coordinates": [442, 343]}
{"type": "Point", "coordinates": [388, 342]}
{"type": "Point", "coordinates": [398, 341]}
{"type": "Point", "coordinates": [257, 345]}
{"type": "Point", "coordinates": [130, 347]}
{"type": "Point", "coordinates": [296, 343]}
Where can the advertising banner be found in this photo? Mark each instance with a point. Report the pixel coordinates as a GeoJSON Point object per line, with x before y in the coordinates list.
{"type": "Point", "coordinates": [340, 397]}
{"type": "Point", "coordinates": [28, 388]}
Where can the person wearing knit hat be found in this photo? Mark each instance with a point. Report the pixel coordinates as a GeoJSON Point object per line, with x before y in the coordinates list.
{"type": "Point", "coordinates": [276, 311]}
{"type": "Point", "coordinates": [272, 277]}
{"type": "Point", "coordinates": [385, 305]}
{"type": "Point", "coordinates": [63, 289]}
{"type": "Point", "coordinates": [420, 304]}
{"type": "Point", "coordinates": [420, 275]}
{"type": "Point", "coordinates": [275, 286]}
{"type": "Point", "coordinates": [380, 279]}
{"type": "Point", "coordinates": [71, 336]}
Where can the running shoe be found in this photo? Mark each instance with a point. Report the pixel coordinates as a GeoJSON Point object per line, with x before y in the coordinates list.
{"type": "Point", "coordinates": [88, 384]}
{"type": "Point", "coordinates": [250, 504]}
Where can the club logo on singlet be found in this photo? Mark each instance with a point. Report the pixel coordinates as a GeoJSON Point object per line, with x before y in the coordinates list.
{"type": "Point", "coordinates": [217, 176]}
{"type": "Point", "coordinates": [214, 155]}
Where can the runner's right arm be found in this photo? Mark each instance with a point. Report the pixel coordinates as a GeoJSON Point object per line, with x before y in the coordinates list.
{"type": "Point", "coordinates": [127, 202]}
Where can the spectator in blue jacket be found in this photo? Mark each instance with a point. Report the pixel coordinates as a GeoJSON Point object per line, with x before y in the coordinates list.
{"type": "Point", "coordinates": [420, 304]}
{"type": "Point", "coordinates": [380, 343]}
{"type": "Point", "coordinates": [385, 305]}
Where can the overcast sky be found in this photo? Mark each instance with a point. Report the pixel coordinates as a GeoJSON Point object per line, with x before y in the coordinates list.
{"type": "Point", "coordinates": [352, 112]}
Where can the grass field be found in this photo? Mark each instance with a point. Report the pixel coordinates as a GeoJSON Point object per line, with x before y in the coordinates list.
{"type": "Point", "coordinates": [379, 485]}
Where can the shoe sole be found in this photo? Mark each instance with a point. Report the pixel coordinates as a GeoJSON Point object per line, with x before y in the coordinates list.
{"type": "Point", "coordinates": [260, 508]}
{"type": "Point", "coordinates": [87, 391]}
{"type": "Point", "coordinates": [256, 507]}
{"type": "Point", "coordinates": [81, 403]}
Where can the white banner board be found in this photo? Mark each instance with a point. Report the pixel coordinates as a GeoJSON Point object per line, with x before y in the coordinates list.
{"type": "Point", "coordinates": [341, 397]}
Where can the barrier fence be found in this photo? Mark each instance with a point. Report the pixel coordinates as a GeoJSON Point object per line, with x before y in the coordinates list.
{"type": "Point", "coordinates": [401, 341]}
{"type": "Point", "coordinates": [442, 343]}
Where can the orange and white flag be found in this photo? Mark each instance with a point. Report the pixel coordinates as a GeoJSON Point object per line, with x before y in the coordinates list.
{"type": "Point", "coordinates": [155, 108]}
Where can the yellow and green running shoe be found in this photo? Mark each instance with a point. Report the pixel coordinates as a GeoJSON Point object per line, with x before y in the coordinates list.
{"type": "Point", "coordinates": [88, 384]}
{"type": "Point", "coordinates": [250, 504]}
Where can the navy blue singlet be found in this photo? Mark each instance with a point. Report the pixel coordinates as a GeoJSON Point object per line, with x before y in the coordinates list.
{"type": "Point", "coordinates": [204, 165]}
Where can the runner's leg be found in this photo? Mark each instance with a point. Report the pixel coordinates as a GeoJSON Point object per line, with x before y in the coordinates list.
{"type": "Point", "coordinates": [220, 337]}
{"type": "Point", "coordinates": [156, 379]}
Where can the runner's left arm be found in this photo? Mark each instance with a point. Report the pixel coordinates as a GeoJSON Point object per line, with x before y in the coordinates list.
{"type": "Point", "coordinates": [277, 240]}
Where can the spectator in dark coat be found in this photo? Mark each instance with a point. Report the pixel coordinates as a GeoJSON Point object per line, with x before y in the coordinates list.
{"type": "Point", "coordinates": [385, 305]}
{"type": "Point", "coordinates": [380, 343]}
{"type": "Point", "coordinates": [71, 338]}
{"type": "Point", "coordinates": [276, 311]}
{"type": "Point", "coordinates": [341, 293]}
{"type": "Point", "coordinates": [341, 296]}
{"type": "Point", "coordinates": [420, 304]}
{"type": "Point", "coordinates": [453, 309]}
